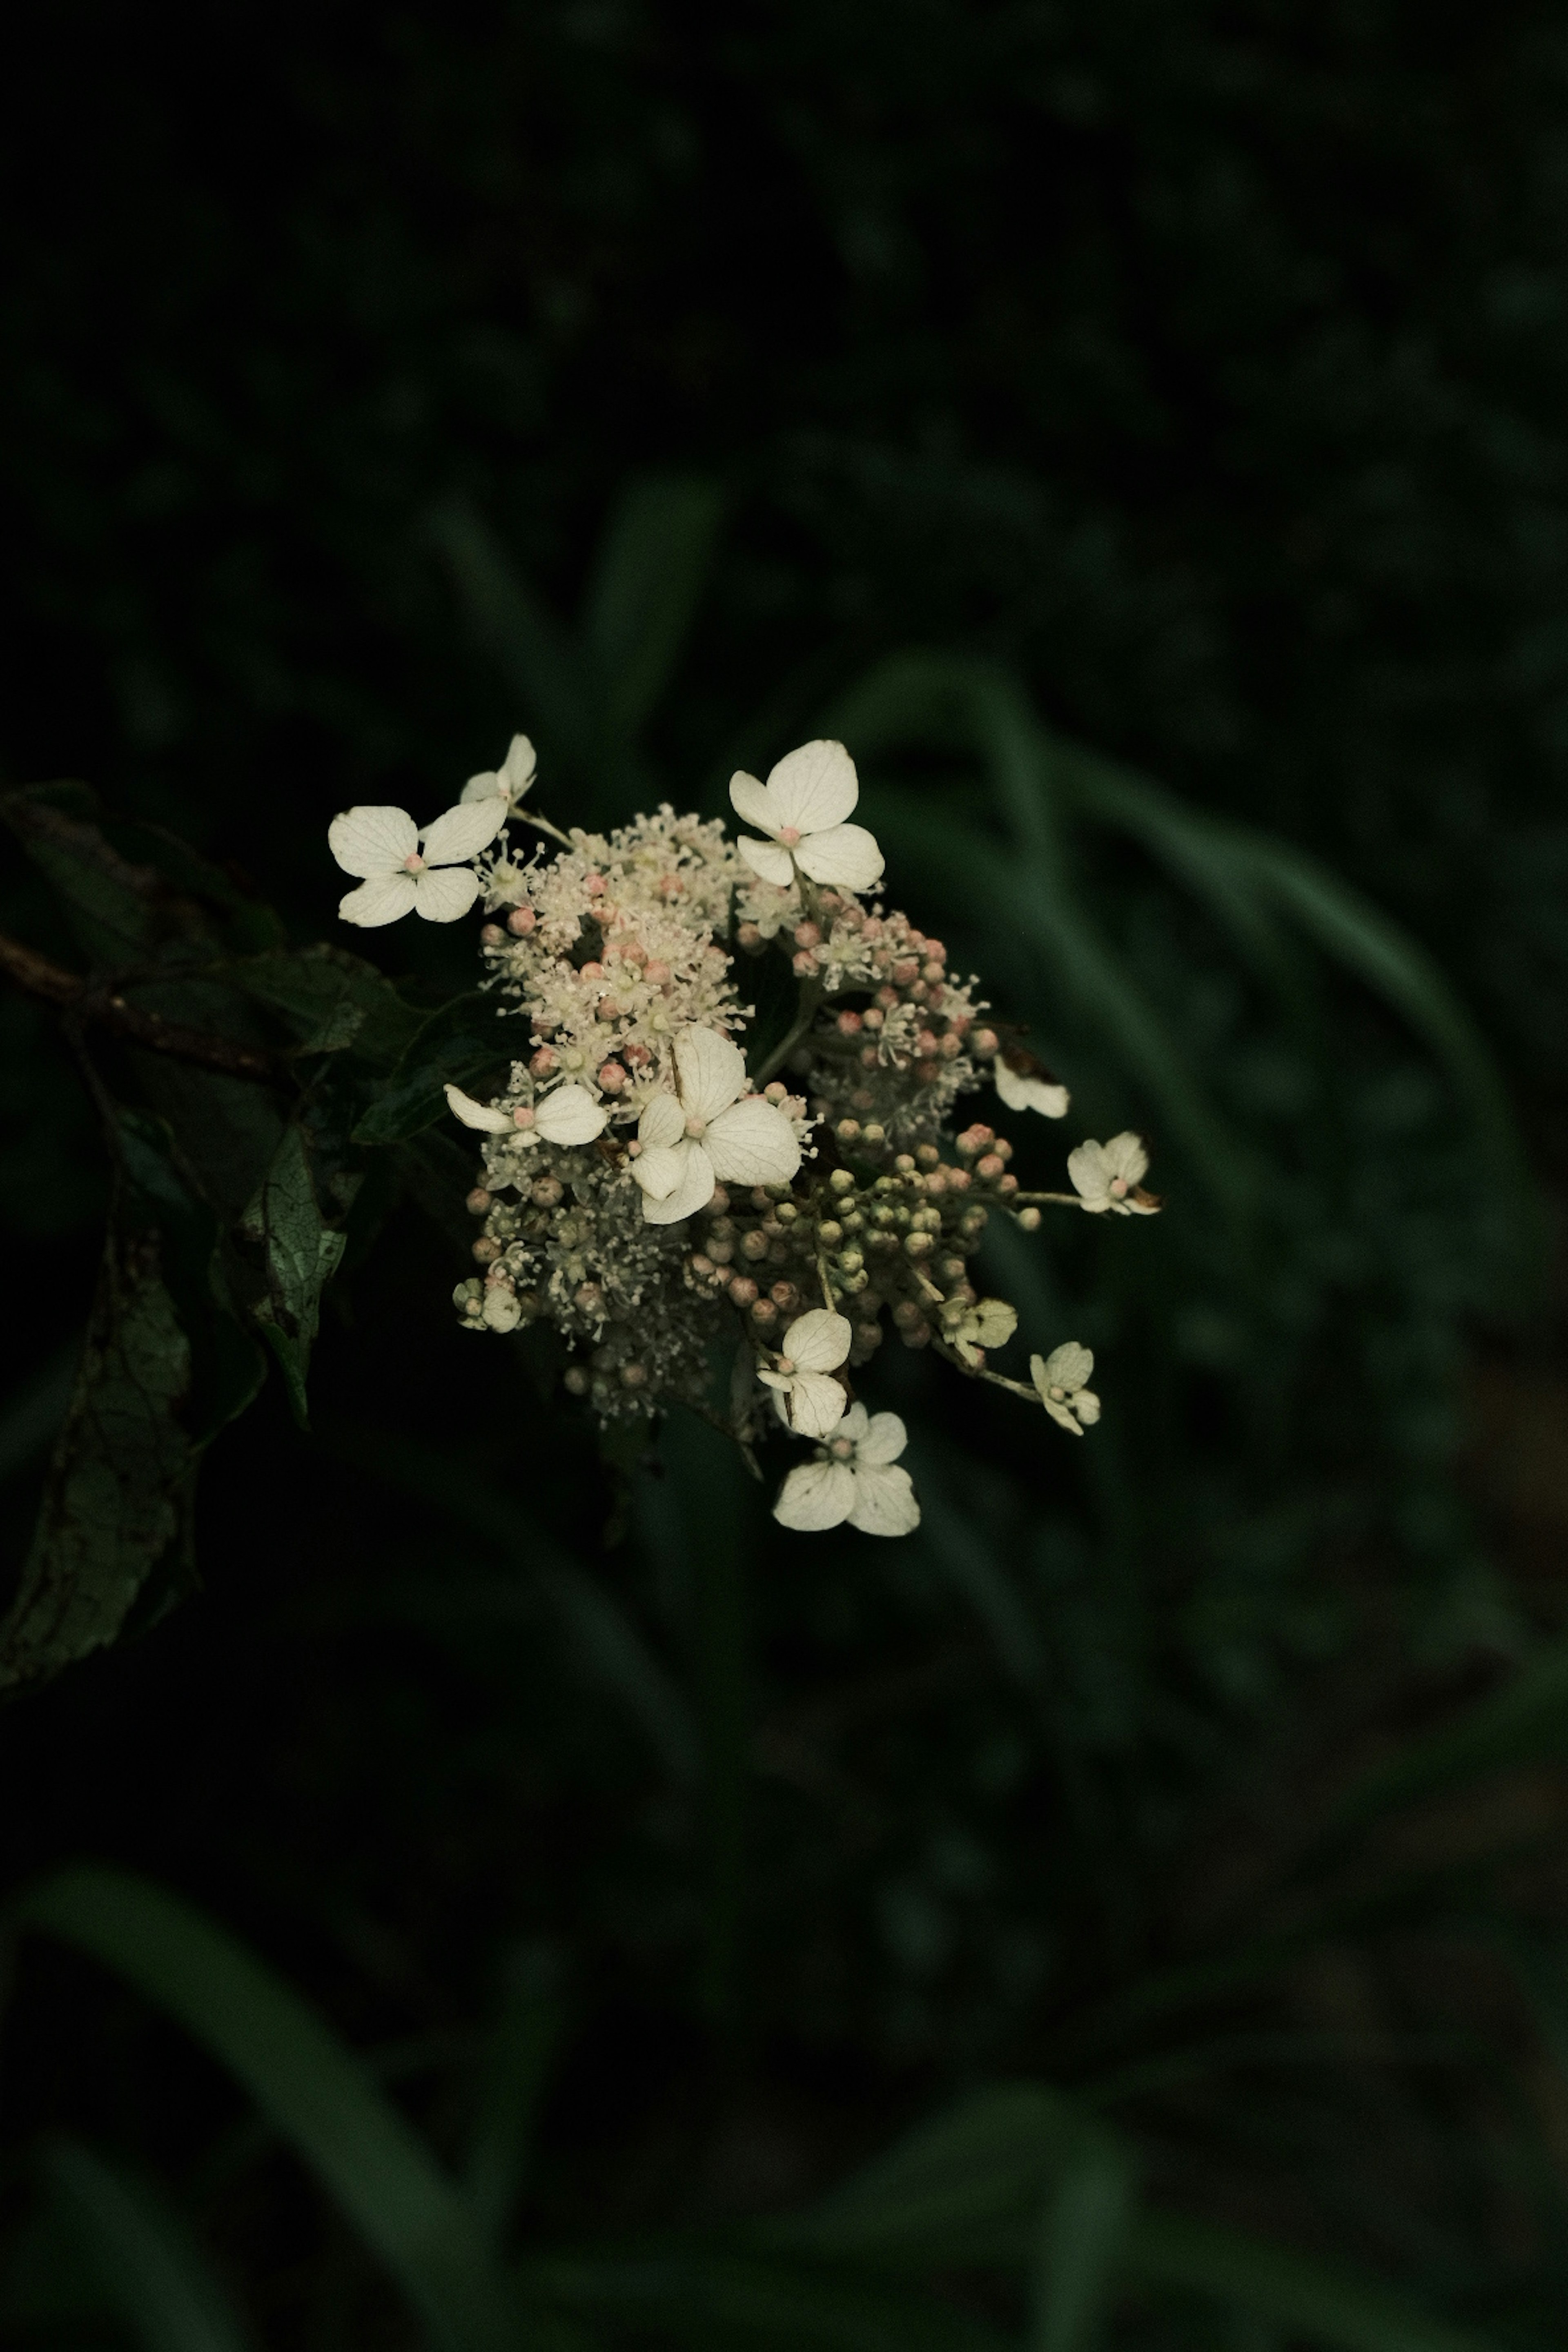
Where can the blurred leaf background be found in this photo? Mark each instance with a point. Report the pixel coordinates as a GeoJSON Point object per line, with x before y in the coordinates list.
{"type": "Point", "coordinates": [1131, 1912]}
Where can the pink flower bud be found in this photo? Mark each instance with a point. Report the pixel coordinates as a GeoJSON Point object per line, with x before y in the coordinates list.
{"type": "Point", "coordinates": [905, 970]}
{"type": "Point", "coordinates": [523, 1115]}
{"type": "Point", "coordinates": [985, 1043]}
{"type": "Point", "coordinates": [656, 974]}
{"type": "Point", "coordinates": [612, 1077]}
{"type": "Point", "coordinates": [804, 965]}
{"type": "Point", "coordinates": [591, 971]}
{"type": "Point", "coordinates": [594, 885]}
{"type": "Point", "coordinates": [849, 1024]}
{"type": "Point", "coordinates": [545, 1063]}
{"type": "Point", "coordinates": [748, 936]}
{"type": "Point", "coordinates": [492, 936]}
{"type": "Point", "coordinates": [807, 935]}
{"type": "Point", "coordinates": [989, 1168]}
{"type": "Point", "coordinates": [774, 1092]}
{"type": "Point", "coordinates": [521, 920]}
{"type": "Point", "coordinates": [479, 1200]}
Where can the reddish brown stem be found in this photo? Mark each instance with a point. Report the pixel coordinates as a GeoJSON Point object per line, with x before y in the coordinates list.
{"type": "Point", "coordinates": [52, 984]}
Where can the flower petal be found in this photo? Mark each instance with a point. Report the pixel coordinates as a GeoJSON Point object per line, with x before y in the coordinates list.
{"type": "Point", "coordinates": [750, 803]}
{"type": "Point", "coordinates": [368, 841]}
{"type": "Point", "coordinates": [845, 856]}
{"type": "Point", "coordinates": [464, 831]}
{"type": "Point", "coordinates": [502, 1310]}
{"type": "Point", "coordinates": [484, 1116]}
{"type": "Point", "coordinates": [662, 1124]}
{"type": "Point", "coordinates": [767, 860]}
{"type": "Point", "coordinates": [885, 1439]}
{"type": "Point", "coordinates": [818, 1342]}
{"type": "Point", "coordinates": [382, 899]}
{"type": "Point", "coordinates": [448, 893]}
{"type": "Point", "coordinates": [1061, 1415]}
{"type": "Point", "coordinates": [753, 1144]}
{"type": "Point", "coordinates": [709, 1070]}
{"type": "Point", "coordinates": [1068, 1366]}
{"type": "Point", "coordinates": [817, 1495]}
{"type": "Point", "coordinates": [693, 1188]}
{"type": "Point", "coordinates": [570, 1115]}
{"type": "Point", "coordinates": [1086, 1405]}
{"type": "Point", "coordinates": [1124, 1156]}
{"type": "Point", "coordinates": [885, 1502]}
{"type": "Point", "coordinates": [816, 1404]}
{"type": "Point", "coordinates": [813, 788]}
{"type": "Point", "coordinates": [1090, 1177]}
{"type": "Point", "coordinates": [1022, 1093]}
{"type": "Point", "coordinates": [855, 1424]}
{"type": "Point", "coordinates": [658, 1170]}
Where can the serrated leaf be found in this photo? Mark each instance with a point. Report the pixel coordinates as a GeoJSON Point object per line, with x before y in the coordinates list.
{"type": "Point", "coordinates": [333, 1000]}
{"type": "Point", "coordinates": [107, 901]}
{"type": "Point", "coordinates": [458, 1044]}
{"type": "Point", "coordinates": [302, 1255]}
{"type": "Point", "coordinates": [314, 2089]}
{"type": "Point", "coordinates": [118, 1495]}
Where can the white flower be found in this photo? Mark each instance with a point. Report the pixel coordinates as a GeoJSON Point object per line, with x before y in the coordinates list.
{"type": "Point", "coordinates": [853, 1478]}
{"type": "Point", "coordinates": [810, 1399]}
{"type": "Point", "coordinates": [405, 868]}
{"type": "Point", "coordinates": [509, 781]}
{"type": "Point", "coordinates": [570, 1115]}
{"type": "Point", "coordinates": [705, 1131]}
{"type": "Point", "coordinates": [1027, 1088]}
{"type": "Point", "coordinates": [1107, 1176]}
{"type": "Point", "coordinates": [990, 1324]}
{"type": "Point", "coordinates": [1060, 1379]}
{"type": "Point", "coordinates": [802, 808]}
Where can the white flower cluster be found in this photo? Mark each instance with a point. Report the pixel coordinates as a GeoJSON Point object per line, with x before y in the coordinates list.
{"type": "Point", "coordinates": [703, 1206]}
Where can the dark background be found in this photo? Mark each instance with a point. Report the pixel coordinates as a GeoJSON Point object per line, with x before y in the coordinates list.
{"type": "Point", "coordinates": [1204, 366]}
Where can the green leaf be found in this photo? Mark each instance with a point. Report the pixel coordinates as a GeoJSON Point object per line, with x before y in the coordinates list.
{"type": "Point", "coordinates": [517, 2066]}
{"type": "Point", "coordinates": [453, 1046]}
{"type": "Point", "coordinates": [937, 702]}
{"type": "Point", "coordinates": [110, 903]}
{"type": "Point", "coordinates": [312, 2088]}
{"type": "Point", "coordinates": [150, 2269]}
{"type": "Point", "coordinates": [301, 1253]}
{"type": "Point", "coordinates": [1082, 2234]}
{"type": "Point", "coordinates": [529, 648]}
{"type": "Point", "coordinates": [1316, 2300]}
{"type": "Point", "coordinates": [650, 574]}
{"type": "Point", "coordinates": [333, 1000]}
{"type": "Point", "coordinates": [118, 1495]}
{"type": "Point", "coordinates": [719, 2298]}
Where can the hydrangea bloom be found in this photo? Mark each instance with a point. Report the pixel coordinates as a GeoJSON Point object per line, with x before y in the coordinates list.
{"type": "Point", "coordinates": [1108, 1176]}
{"type": "Point", "coordinates": [672, 1185]}
{"type": "Point", "coordinates": [707, 1126]}
{"type": "Point", "coordinates": [855, 1477]}
{"type": "Point", "coordinates": [801, 809]}
{"type": "Point", "coordinates": [408, 871]}
{"type": "Point", "coordinates": [1062, 1379]}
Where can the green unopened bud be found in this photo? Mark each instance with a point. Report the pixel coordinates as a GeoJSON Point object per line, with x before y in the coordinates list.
{"type": "Point", "coordinates": [841, 1180]}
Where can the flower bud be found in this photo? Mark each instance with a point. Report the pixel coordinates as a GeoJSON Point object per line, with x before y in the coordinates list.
{"type": "Point", "coordinates": [521, 920]}
{"type": "Point", "coordinates": [829, 1233]}
{"type": "Point", "coordinates": [765, 1313]}
{"type": "Point", "coordinates": [479, 1200]}
{"type": "Point", "coordinates": [841, 1180]}
{"type": "Point", "coordinates": [917, 1244]}
{"type": "Point", "coordinates": [491, 935]}
{"type": "Point", "coordinates": [742, 1291]}
{"type": "Point", "coordinates": [633, 1376]}
{"type": "Point", "coordinates": [754, 1245]}
{"type": "Point", "coordinates": [575, 1379]}
{"type": "Point", "coordinates": [486, 1250]}
{"type": "Point", "coordinates": [1030, 1220]}
{"type": "Point", "coordinates": [612, 1077]}
{"type": "Point", "coordinates": [749, 937]}
{"type": "Point", "coordinates": [545, 1063]}
{"type": "Point", "coordinates": [984, 1044]}
{"type": "Point", "coordinates": [989, 1168]}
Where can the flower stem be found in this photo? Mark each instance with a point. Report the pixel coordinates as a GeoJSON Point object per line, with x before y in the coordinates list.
{"type": "Point", "coordinates": [811, 995]}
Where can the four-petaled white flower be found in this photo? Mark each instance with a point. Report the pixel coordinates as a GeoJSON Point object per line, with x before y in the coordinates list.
{"type": "Point", "coordinates": [570, 1115]}
{"type": "Point", "coordinates": [406, 869]}
{"type": "Point", "coordinates": [707, 1130]}
{"type": "Point", "coordinates": [1060, 1379]}
{"type": "Point", "coordinates": [1024, 1085]}
{"type": "Point", "coordinates": [854, 1477]}
{"type": "Point", "coordinates": [801, 809]}
{"type": "Point", "coordinates": [1107, 1176]}
{"type": "Point", "coordinates": [809, 1398]}
{"type": "Point", "coordinates": [509, 781]}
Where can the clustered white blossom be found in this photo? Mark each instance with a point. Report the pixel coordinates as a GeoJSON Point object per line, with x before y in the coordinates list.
{"type": "Point", "coordinates": [703, 1205]}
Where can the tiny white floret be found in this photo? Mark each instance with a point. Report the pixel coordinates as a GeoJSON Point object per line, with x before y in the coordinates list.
{"type": "Point", "coordinates": [801, 809]}
{"type": "Point", "coordinates": [706, 1130]}
{"type": "Point", "coordinates": [1109, 1176]}
{"type": "Point", "coordinates": [810, 1399]}
{"type": "Point", "coordinates": [1062, 1380]}
{"type": "Point", "coordinates": [855, 1477]}
{"type": "Point", "coordinates": [406, 870]}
